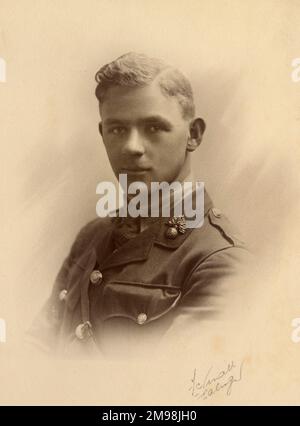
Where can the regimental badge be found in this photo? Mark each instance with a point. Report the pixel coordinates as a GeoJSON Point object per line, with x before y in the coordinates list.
{"type": "Point", "coordinates": [176, 225]}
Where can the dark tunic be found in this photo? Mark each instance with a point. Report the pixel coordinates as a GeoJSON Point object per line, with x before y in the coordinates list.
{"type": "Point", "coordinates": [121, 286]}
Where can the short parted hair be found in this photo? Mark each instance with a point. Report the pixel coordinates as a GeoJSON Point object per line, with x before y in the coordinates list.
{"type": "Point", "coordinates": [137, 70]}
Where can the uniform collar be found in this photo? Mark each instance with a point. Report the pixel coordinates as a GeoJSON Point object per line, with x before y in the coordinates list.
{"type": "Point", "coordinates": [138, 224]}
{"type": "Point", "coordinates": [138, 248]}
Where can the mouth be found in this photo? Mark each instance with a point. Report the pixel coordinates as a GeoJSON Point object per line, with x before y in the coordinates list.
{"type": "Point", "coordinates": [134, 170]}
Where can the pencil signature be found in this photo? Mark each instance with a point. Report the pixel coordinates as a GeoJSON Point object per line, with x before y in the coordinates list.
{"type": "Point", "coordinates": [216, 380]}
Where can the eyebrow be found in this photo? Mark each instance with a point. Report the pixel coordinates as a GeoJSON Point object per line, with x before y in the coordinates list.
{"type": "Point", "coordinates": [110, 121]}
{"type": "Point", "coordinates": [157, 119]}
{"type": "Point", "coordinates": [146, 120]}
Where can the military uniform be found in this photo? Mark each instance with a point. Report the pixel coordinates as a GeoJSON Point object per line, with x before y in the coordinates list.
{"type": "Point", "coordinates": [107, 290]}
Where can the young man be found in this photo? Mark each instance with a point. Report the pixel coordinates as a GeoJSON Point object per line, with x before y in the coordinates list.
{"type": "Point", "coordinates": [126, 279]}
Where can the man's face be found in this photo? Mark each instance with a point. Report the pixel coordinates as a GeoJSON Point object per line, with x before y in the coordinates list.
{"type": "Point", "coordinates": [144, 133]}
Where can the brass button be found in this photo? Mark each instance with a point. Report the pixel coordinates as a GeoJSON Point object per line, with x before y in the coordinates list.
{"type": "Point", "coordinates": [171, 232]}
{"type": "Point", "coordinates": [142, 318]}
{"type": "Point", "coordinates": [216, 212]}
{"type": "Point", "coordinates": [63, 295]}
{"type": "Point", "coordinates": [83, 330]}
{"type": "Point", "coordinates": [96, 277]}
{"type": "Point", "coordinates": [79, 332]}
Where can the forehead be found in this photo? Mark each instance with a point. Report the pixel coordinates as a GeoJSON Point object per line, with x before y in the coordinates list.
{"type": "Point", "coordinates": [139, 102]}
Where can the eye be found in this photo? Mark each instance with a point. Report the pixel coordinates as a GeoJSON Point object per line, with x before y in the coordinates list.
{"type": "Point", "coordinates": [117, 130]}
{"type": "Point", "coordinates": [155, 128]}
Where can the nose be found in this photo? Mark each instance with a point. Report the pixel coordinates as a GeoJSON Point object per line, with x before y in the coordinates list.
{"type": "Point", "coordinates": [134, 144]}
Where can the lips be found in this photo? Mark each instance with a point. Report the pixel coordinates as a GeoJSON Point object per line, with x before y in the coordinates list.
{"type": "Point", "coordinates": [134, 169]}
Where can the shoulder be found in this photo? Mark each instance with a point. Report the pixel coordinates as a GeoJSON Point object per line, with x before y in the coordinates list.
{"type": "Point", "coordinates": [219, 253]}
{"type": "Point", "coordinates": [216, 234]}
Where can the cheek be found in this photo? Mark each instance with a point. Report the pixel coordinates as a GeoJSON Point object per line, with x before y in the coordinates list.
{"type": "Point", "coordinates": [111, 149]}
{"type": "Point", "coordinates": [175, 145]}
{"type": "Point", "coordinates": [170, 157]}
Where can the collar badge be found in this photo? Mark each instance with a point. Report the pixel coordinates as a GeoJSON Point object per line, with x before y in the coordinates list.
{"type": "Point", "coordinates": [175, 225]}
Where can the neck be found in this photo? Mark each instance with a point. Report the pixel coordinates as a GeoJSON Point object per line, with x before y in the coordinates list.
{"type": "Point", "coordinates": [186, 173]}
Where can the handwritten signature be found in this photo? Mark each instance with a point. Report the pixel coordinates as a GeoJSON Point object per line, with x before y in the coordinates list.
{"type": "Point", "coordinates": [214, 382]}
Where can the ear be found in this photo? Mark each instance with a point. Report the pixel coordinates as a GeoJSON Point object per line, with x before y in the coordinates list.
{"type": "Point", "coordinates": [100, 128]}
{"type": "Point", "coordinates": [197, 128]}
